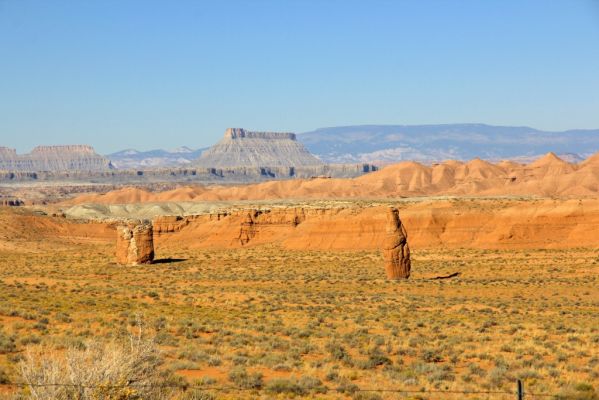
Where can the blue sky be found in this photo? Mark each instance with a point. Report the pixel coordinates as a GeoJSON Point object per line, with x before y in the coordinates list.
{"type": "Point", "coordinates": [161, 74]}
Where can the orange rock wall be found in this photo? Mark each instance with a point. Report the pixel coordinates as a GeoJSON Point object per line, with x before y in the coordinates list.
{"type": "Point", "coordinates": [460, 223]}
{"type": "Point", "coordinates": [476, 223]}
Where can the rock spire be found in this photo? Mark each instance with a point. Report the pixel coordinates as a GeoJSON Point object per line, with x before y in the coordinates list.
{"type": "Point", "coordinates": [395, 247]}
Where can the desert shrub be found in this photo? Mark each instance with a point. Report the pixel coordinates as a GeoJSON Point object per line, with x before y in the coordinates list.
{"type": "Point", "coordinates": [281, 367]}
{"type": "Point", "coordinates": [63, 317]}
{"type": "Point", "coordinates": [432, 356]}
{"type": "Point", "coordinates": [582, 391]}
{"type": "Point", "coordinates": [196, 394]}
{"type": "Point", "coordinates": [375, 358]}
{"type": "Point", "coordinates": [311, 384]}
{"type": "Point", "coordinates": [117, 370]}
{"type": "Point", "coordinates": [281, 385]}
{"type": "Point", "coordinates": [443, 373]}
{"type": "Point", "coordinates": [240, 377]}
{"type": "Point", "coordinates": [193, 354]}
{"type": "Point", "coordinates": [332, 375]}
{"type": "Point", "coordinates": [240, 360]}
{"type": "Point", "coordinates": [30, 339]}
{"type": "Point", "coordinates": [337, 352]}
{"type": "Point", "coordinates": [497, 376]}
{"type": "Point", "coordinates": [166, 339]}
{"type": "Point", "coordinates": [476, 370]}
{"type": "Point", "coordinates": [366, 396]}
{"type": "Point", "coordinates": [214, 361]}
{"type": "Point", "coordinates": [3, 377]}
{"type": "Point", "coordinates": [7, 343]}
{"type": "Point", "coordinates": [346, 386]}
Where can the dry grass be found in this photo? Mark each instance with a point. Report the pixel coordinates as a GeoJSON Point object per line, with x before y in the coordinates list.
{"type": "Point", "coordinates": [296, 323]}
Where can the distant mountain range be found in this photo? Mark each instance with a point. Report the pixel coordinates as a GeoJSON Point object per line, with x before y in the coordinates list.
{"type": "Point", "coordinates": [425, 143]}
{"type": "Point", "coordinates": [130, 158]}
{"type": "Point", "coordinates": [392, 143]}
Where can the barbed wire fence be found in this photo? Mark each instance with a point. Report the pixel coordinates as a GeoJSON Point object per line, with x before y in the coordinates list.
{"type": "Point", "coordinates": [519, 393]}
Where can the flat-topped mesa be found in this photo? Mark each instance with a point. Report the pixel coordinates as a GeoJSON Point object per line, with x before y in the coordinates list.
{"type": "Point", "coordinates": [75, 149]}
{"type": "Point", "coordinates": [395, 247]}
{"type": "Point", "coordinates": [237, 133]}
{"type": "Point", "coordinates": [241, 148]}
{"type": "Point", "coordinates": [54, 159]}
{"type": "Point", "coordinates": [135, 243]}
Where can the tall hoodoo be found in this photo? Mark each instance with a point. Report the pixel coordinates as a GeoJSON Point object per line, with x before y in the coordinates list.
{"type": "Point", "coordinates": [135, 244]}
{"type": "Point", "coordinates": [395, 247]}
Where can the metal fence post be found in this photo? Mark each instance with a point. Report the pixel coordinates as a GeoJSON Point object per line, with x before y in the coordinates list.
{"type": "Point", "coordinates": [520, 390]}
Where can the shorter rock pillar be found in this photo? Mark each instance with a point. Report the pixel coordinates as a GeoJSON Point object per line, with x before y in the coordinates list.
{"type": "Point", "coordinates": [135, 244]}
{"type": "Point", "coordinates": [395, 247]}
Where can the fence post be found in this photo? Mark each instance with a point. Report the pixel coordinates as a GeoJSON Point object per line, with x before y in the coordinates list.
{"type": "Point", "coordinates": [520, 390]}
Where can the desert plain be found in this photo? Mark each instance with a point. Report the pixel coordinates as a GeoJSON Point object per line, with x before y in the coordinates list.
{"type": "Point", "coordinates": [295, 303]}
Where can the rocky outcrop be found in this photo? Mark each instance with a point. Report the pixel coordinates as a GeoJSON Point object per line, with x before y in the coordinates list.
{"type": "Point", "coordinates": [241, 148]}
{"type": "Point", "coordinates": [11, 202]}
{"type": "Point", "coordinates": [169, 223]}
{"type": "Point", "coordinates": [247, 231]}
{"type": "Point", "coordinates": [395, 247]}
{"type": "Point", "coordinates": [135, 244]}
{"type": "Point", "coordinates": [53, 158]}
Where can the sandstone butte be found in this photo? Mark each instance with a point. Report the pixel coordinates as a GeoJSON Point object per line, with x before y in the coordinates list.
{"type": "Point", "coordinates": [241, 148]}
{"type": "Point", "coordinates": [135, 244]}
{"type": "Point", "coordinates": [548, 176]}
{"type": "Point", "coordinates": [395, 247]}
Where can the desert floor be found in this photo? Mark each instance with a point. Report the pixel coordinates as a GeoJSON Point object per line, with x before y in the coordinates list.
{"type": "Point", "coordinates": [267, 322]}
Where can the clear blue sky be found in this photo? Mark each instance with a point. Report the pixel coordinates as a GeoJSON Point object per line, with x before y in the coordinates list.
{"type": "Point", "coordinates": [161, 74]}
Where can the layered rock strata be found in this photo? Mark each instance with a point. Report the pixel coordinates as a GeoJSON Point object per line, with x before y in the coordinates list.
{"type": "Point", "coordinates": [53, 158]}
{"type": "Point", "coordinates": [169, 223]}
{"type": "Point", "coordinates": [191, 175]}
{"type": "Point", "coordinates": [135, 244]}
{"type": "Point", "coordinates": [395, 247]}
{"type": "Point", "coordinates": [241, 148]}
{"type": "Point", "coordinates": [247, 230]}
